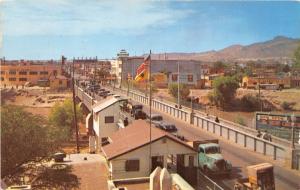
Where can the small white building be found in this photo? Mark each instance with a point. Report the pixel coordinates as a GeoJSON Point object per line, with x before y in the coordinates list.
{"type": "Point", "coordinates": [130, 153]}
{"type": "Point", "coordinates": [106, 115]}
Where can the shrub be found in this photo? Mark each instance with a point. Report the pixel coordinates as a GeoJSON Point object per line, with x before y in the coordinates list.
{"type": "Point", "coordinates": [287, 105]}
{"type": "Point", "coordinates": [183, 90]}
{"type": "Point", "coordinates": [250, 103]}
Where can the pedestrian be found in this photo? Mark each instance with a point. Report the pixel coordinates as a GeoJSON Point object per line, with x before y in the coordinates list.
{"type": "Point", "coordinates": [258, 134]}
{"type": "Point", "coordinates": [207, 116]}
{"type": "Point", "coordinates": [217, 120]}
{"type": "Point", "coordinates": [126, 121]}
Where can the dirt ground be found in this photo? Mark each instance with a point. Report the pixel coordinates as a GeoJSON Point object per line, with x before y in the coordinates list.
{"type": "Point", "coordinates": [275, 97]}
{"type": "Point", "coordinates": [39, 101]}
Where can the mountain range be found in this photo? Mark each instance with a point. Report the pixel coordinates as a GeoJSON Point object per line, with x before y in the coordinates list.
{"type": "Point", "coordinates": [278, 48]}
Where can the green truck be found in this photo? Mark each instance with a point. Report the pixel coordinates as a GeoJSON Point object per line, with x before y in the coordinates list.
{"type": "Point", "coordinates": [210, 159]}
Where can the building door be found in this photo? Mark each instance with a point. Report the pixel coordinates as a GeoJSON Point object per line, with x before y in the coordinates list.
{"type": "Point", "coordinates": [157, 161]}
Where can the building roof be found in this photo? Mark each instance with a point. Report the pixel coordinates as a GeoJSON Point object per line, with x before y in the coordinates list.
{"type": "Point", "coordinates": [135, 136]}
{"type": "Point", "coordinates": [106, 103]}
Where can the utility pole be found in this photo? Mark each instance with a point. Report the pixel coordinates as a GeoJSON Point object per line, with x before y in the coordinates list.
{"type": "Point", "coordinates": [74, 107]}
{"type": "Point", "coordinates": [178, 82]}
{"type": "Point", "coordinates": [293, 118]}
{"type": "Point", "coordinates": [259, 93]}
{"type": "Point", "coordinates": [94, 82]}
{"type": "Point", "coordinates": [150, 110]}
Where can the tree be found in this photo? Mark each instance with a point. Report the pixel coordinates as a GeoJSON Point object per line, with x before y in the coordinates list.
{"type": "Point", "coordinates": [61, 115]}
{"type": "Point", "coordinates": [297, 57]}
{"type": "Point", "coordinates": [286, 68]}
{"type": "Point", "coordinates": [24, 137]}
{"type": "Point", "coordinates": [250, 103]}
{"type": "Point", "coordinates": [219, 65]}
{"type": "Point", "coordinates": [184, 90]}
{"type": "Point", "coordinates": [224, 89]}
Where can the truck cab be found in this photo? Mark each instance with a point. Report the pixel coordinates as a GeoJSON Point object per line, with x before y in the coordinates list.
{"type": "Point", "coordinates": [211, 160]}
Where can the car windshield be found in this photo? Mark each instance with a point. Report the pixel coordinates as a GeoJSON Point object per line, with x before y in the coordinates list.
{"type": "Point", "coordinates": [212, 150]}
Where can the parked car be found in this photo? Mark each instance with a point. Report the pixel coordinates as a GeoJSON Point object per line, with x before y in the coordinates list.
{"type": "Point", "coordinates": [167, 127]}
{"type": "Point", "coordinates": [132, 107]}
{"type": "Point", "coordinates": [156, 119]}
{"type": "Point", "coordinates": [93, 87]}
{"type": "Point", "coordinates": [139, 114]}
{"type": "Point", "coordinates": [102, 93]}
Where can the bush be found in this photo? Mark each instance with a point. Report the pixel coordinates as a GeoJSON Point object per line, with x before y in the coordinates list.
{"type": "Point", "coordinates": [250, 103]}
{"type": "Point", "coordinates": [183, 90]}
{"type": "Point", "coordinates": [287, 105]}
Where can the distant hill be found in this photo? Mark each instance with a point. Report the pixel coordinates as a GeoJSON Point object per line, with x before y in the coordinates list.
{"type": "Point", "coordinates": [279, 47]}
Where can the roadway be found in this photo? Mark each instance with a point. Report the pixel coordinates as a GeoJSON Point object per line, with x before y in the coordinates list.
{"type": "Point", "coordinates": [285, 179]}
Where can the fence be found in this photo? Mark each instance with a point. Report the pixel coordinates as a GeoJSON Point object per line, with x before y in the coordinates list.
{"type": "Point", "coordinates": [240, 137]}
{"type": "Point", "coordinates": [84, 97]}
{"type": "Point", "coordinates": [206, 183]}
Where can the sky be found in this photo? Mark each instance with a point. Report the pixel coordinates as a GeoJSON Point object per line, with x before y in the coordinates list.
{"type": "Point", "coordinates": [48, 29]}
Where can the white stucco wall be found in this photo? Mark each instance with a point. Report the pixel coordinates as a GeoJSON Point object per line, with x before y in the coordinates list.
{"type": "Point", "coordinates": [103, 129]}
{"type": "Point", "coordinates": [158, 148]}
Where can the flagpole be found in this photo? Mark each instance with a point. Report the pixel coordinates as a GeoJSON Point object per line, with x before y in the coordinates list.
{"type": "Point", "coordinates": [150, 108]}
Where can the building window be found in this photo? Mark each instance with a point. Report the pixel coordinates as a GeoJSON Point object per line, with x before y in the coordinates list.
{"type": "Point", "coordinates": [2, 72]}
{"type": "Point", "coordinates": [22, 73]}
{"type": "Point", "coordinates": [109, 119]}
{"type": "Point", "coordinates": [2, 79]}
{"type": "Point", "coordinates": [22, 79]}
{"type": "Point", "coordinates": [44, 73]}
{"type": "Point", "coordinates": [12, 79]}
{"type": "Point", "coordinates": [54, 72]}
{"type": "Point", "coordinates": [132, 165]}
{"type": "Point", "coordinates": [174, 77]}
{"type": "Point", "coordinates": [33, 73]}
{"type": "Point", "coordinates": [12, 72]}
{"type": "Point", "coordinates": [190, 78]}
{"type": "Point", "coordinates": [60, 82]}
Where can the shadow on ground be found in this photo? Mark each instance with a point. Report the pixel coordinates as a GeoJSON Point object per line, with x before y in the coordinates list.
{"type": "Point", "coordinates": [57, 179]}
